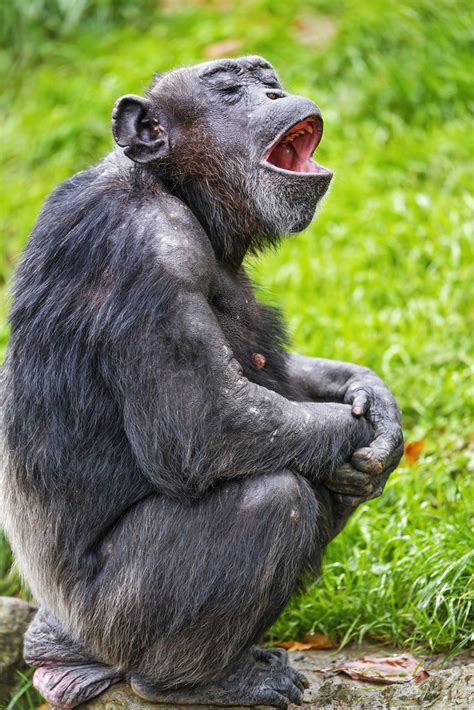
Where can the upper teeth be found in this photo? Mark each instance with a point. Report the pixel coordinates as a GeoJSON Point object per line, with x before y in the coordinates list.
{"type": "Point", "coordinates": [291, 137]}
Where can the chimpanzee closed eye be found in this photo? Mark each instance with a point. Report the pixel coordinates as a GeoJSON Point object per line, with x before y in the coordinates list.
{"type": "Point", "coordinates": [172, 471]}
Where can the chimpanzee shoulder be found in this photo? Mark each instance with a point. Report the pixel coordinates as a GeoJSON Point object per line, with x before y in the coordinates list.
{"type": "Point", "coordinates": [112, 212]}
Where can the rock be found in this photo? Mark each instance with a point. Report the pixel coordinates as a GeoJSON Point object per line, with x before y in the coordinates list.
{"type": "Point", "coordinates": [121, 696]}
{"type": "Point", "coordinates": [15, 615]}
{"type": "Point", "coordinates": [451, 688]}
{"type": "Point", "coordinates": [447, 687]}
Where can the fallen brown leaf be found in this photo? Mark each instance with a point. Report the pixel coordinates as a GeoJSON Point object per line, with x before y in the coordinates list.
{"type": "Point", "coordinates": [319, 641]}
{"type": "Point", "coordinates": [311, 642]}
{"type": "Point", "coordinates": [294, 645]}
{"type": "Point", "coordinates": [392, 669]}
{"type": "Point", "coordinates": [222, 49]}
{"type": "Point", "coordinates": [413, 450]}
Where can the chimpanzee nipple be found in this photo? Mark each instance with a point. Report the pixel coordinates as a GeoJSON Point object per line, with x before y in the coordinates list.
{"type": "Point", "coordinates": [258, 360]}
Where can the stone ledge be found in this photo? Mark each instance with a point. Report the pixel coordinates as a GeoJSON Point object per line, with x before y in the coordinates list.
{"type": "Point", "coordinates": [445, 689]}
{"type": "Point", "coordinates": [121, 697]}
{"type": "Point", "coordinates": [15, 615]}
{"type": "Point", "coordinates": [449, 686]}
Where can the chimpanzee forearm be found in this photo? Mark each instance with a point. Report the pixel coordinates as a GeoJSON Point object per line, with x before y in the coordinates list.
{"type": "Point", "coordinates": [311, 438]}
{"type": "Point", "coordinates": [244, 428]}
{"type": "Point", "coordinates": [322, 379]}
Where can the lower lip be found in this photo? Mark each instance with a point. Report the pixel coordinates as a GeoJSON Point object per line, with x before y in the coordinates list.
{"type": "Point", "coordinates": [320, 170]}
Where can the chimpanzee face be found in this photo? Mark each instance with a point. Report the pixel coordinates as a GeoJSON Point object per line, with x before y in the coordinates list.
{"type": "Point", "coordinates": [240, 95]}
{"type": "Point", "coordinates": [230, 125]}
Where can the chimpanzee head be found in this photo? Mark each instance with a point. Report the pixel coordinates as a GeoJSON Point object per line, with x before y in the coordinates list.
{"type": "Point", "coordinates": [233, 144]}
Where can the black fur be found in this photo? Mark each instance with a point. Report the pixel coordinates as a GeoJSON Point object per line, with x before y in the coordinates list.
{"type": "Point", "coordinates": [163, 494]}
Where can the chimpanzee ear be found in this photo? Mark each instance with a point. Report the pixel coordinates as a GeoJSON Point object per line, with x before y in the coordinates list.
{"type": "Point", "coordinates": [140, 134]}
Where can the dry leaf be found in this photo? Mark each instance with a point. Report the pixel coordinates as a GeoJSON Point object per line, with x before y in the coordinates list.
{"type": "Point", "coordinates": [222, 49]}
{"type": "Point", "coordinates": [392, 669]}
{"type": "Point", "coordinates": [311, 642]}
{"type": "Point", "coordinates": [43, 706]}
{"type": "Point", "coordinates": [319, 641]}
{"type": "Point", "coordinates": [294, 645]}
{"type": "Point", "coordinates": [413, 450]}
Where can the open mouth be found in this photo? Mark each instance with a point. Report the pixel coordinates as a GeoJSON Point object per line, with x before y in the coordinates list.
{"type": "Point", "coordinates": [293, 151]}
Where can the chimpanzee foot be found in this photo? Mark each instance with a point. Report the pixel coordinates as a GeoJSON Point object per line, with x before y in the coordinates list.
{"type": "Point", "coordinates": [273, 656]}
{"type": "Point", "coordinates": [66, 673]}
{"type": "Point", "coordinates": [66, 686]}
{"type": "Point", "coordinates": [249, 683]}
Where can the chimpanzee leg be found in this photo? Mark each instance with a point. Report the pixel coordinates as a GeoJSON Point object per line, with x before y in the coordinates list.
{"type": "Point", "coordinates": [184, 592]}
{"type": "Point", "coordinates": [66, 674]}
{"type": "Point", "coordinates": [199, 585]}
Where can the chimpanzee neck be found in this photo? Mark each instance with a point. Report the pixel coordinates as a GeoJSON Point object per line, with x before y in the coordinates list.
{"type": "Point", "coordinates": [230, 230]}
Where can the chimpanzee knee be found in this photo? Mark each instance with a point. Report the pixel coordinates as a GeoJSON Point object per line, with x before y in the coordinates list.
{"type": "Point", "coordinates": [269, 490]}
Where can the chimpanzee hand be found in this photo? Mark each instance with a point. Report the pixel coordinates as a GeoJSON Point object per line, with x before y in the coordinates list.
{"type": "Point", "coordinates": [365, 476]}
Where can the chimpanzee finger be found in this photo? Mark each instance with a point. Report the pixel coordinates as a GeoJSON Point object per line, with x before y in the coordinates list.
{"type": "Point", "coordinates": [349, 501]}
{"type": "Point", "coordinates": [375, 457]}
{"type": "Point", "coordinates": [303, 679]}
{"type": "Point", "coordinates": [379, 487]}
{"type": "Point", "coordinates": [383, 453]}
{"type": "Point", "coordinates": [299, 679]}
{"type": "Point", "coordinates": [350, 481]}
{"type": "Point", "coordinates": [360, 404]}
{"type": "Point", "coordinates": [380, 481]}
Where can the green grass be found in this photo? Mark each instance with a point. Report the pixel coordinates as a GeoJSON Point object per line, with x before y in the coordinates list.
{"type": "Point", "coordinates": [383, 277]}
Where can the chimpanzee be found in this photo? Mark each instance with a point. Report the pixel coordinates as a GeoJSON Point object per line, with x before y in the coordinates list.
{"type": "Point", "coordinates": [172, 472]}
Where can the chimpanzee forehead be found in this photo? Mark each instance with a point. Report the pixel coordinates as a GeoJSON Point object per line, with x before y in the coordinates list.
{"type": "Point", "coordinates": [182, 85]}
{"type": "Point", "coordinates": [237, 65]}
{"type": "Point", "coordinates": [254, 66]}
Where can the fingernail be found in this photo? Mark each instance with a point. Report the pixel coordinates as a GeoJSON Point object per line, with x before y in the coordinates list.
{"type": "Point", "coordinates": [357, 410]}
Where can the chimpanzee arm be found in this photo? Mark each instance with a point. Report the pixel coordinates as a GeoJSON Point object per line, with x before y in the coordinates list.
{"type": "Point", "coordinates": [330, 380]}
{"type": "Point", "coordinates": [191, 418]}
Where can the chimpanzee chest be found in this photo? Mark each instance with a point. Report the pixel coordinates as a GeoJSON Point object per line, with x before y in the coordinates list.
{"type": "Point", "coordinates": [254, 332]}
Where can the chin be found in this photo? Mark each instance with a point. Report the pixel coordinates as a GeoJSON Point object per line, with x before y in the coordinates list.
{"type": "Point", "coordinates": [287, 203]}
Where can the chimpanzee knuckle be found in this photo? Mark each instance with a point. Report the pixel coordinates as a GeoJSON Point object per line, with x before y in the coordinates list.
{"type": "Point", "coordinates": [299, 679]}
{"type": "Point", "coordinates": [355, 390]}
{"type": "Point", "coordinates": [342, 473]}
{"type": "Point", "coordinates": [378, 465]}
{"type": "Point", "coordinates": [394, 459]}
{"type": "Point", "coordinates": [394, 455]}
{"type": "Point", "coordinates": [363, 459]}
{"type": "Point", "coordinates": [377, 492]}
{"type": "Point", "coordinates": [303, 679]}
{"type": "Point", "coordinates": [398, 440]}
{"type": "Point", "coordinates": [348, 477]}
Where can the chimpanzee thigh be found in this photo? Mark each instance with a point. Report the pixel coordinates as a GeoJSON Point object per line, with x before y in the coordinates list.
{"type": "Point", "coordinates": [184, 589]}
{"type": "Point", "coordinates": [185, 584]}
